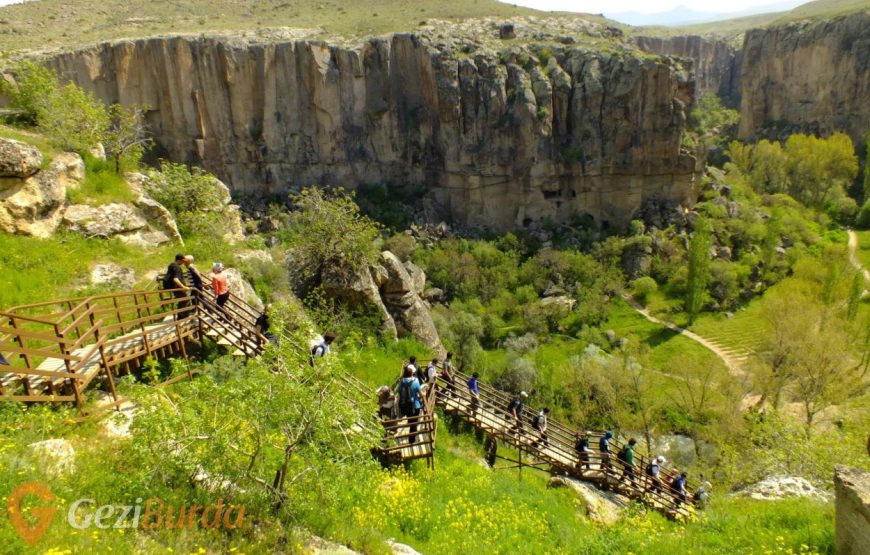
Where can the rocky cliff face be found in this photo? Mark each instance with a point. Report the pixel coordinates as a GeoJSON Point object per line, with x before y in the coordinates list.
{"type": "Point", "coordinates": [812, 77]}
{"type": "Point", "coordinates": [715, 63]}
{"type": "Point", "coordinates": [852, 507]}
{"type": "Point", "coordinates": [501, 139]}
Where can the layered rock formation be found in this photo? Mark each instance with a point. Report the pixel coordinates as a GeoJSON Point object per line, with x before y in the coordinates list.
{"type": "Point", "coordinates": [396, 290]}
{"type": "Point", "coordinates": [812, 77]}
{"type": "Point", "coordinates": [852, 505]}
{"type": "Point", "coordinates": [715, 63]}
{"type": "Point", "coordinates": [501, 139]}
{"type": "Point", "coordinates": [33, 201]}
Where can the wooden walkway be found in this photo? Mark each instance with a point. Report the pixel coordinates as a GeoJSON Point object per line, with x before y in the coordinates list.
{"type": "Point", "coordinates": [557, 451]}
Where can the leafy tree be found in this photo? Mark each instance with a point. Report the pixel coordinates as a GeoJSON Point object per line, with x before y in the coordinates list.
{"type": "Point", "coordinates": [34, 83]}
{"type": "Point", "coordinates": [327, 230]}
{"type": "Point", "coordinates": [126, 138]}
{"type": "Point", "coordinates": [820, 170]}
{"type": "Point", "coordinates": [699, 267]}
{"type": "Point", "coordinates": [73, 119]}
{"type": "Point", "coordinates": [643, 287]}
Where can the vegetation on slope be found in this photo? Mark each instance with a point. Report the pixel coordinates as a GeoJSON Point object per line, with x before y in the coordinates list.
{"type": "Point", "coordinates": [55, 23]}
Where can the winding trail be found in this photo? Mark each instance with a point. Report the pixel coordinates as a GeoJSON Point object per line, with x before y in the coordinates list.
{"type": "Point", "coordinates": [730, 362]}
{"type": "Point", "coordinates": [853, 254]}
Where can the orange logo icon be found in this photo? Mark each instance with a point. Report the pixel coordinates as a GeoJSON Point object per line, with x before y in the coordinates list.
{"type": "Point", "coordinates": [43, 514]}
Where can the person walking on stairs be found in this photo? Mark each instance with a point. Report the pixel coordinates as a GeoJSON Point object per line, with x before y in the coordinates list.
{"type": "Point", "coordinates": [473, 390]}
{"type": "Point", "coordinates": [431, 371]}
{"type": "Point", "coordinates": [412, 364]}
{"type": "Point", "coordinates": [409, 400]}
{"type": "Point", "coordinates": [196, 280]}
{"type": "Point", "coordinates": [321, 348]}
{"type": "Point", "coordinates": [604, 449]}
{"type": "Point", "coordinates": [447, 374]}
{"type": "Point", "coordinates": [515, 410]}
{"type": "Point", "coordinates": [220, 285]}
{"type": "Point", "coordinates": [263, 325]}
{"type": "Point", "coordinates": [678, 486]}
{"type": "Point", "coordinates": [540, 424]}
{"type": "Point", "coordinates": [653, 473]}
{"type": "Point", "coordinates": [626, 456]}
{"type": "Point", "coordinates": [174, 279]}
{"type": "Point", "coordinates": [386, 403]}
{"type": "Point", "coordinates": [581, 445]}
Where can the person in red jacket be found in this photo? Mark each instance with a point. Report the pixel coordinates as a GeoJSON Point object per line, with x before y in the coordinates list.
{"type": "Point", "coordinates": [219, 284]}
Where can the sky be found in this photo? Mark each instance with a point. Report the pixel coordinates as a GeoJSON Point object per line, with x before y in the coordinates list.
{"type": "Point", "coordinates": [645, 6]}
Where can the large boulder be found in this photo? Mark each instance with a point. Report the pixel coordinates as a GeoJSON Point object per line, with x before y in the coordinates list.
{"type": "Point", "coordinates": [34, 205]}
{"type": "Point", "coordinates": [358, 287]}
{"type": "Point", "coordinates": [319, 546]}
{"type": "Point", "coordinates": [852, 506]}
{"type": "Point", "coordinates": [596, 505]}
{"type": "Point", "coordinates": [783, 487]}
{"type": "Point", "coordinates": [113, 275]}
{"type": "Point", "coordinates": [116, 219]}
{"type": "Point", "coordinates": [55, 457]}
{"type": "Point", "coordinates": [18, 159]}
{"type": "Point", "coordinates": [409, 310]}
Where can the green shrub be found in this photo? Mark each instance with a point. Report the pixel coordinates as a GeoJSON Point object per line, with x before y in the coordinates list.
{"type": "Point", "coordinates": [643, 287]}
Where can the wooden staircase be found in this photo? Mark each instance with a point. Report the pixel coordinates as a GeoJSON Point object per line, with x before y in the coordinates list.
{"type": "Point", "coordinates": [491, 416]}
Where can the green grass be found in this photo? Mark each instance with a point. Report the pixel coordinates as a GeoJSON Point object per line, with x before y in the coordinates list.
{"type": "Point", "coordinates": [665, 345]}
{"type": "Point", "coordinates": [33, 270]}
{"type": "Point", "coordinates": [102, 185]}
{"type": "Point", "coordinates": [39, 141]}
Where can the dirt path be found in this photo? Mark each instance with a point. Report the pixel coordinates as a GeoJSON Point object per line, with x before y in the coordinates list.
{"type": "Point", "coordinates": [853, 254]}
{"type": "Point", "coordinates": [730, 362]}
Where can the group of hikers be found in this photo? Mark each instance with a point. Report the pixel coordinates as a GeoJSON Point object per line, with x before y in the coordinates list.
{"type": "Point", "coordinates": [182, 271]}
{"type": "Point", "coordinates": [407, 402]}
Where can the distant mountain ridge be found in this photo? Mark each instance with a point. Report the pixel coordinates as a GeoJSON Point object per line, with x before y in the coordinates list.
{"type": "Point", "coordinates": [683, 15]}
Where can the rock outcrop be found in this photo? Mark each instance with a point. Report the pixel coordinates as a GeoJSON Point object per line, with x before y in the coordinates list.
{"type": "Point", "coordinates": [500, 138]}
{"type": "Point", "coordinates": [242, 288]}
{"type": "Point", "coordinates": [33, 205]}
{"type": "Point", "coordinates": [807, 76]}
{"type": "Point", "coordinates": [18, 159]}
{"type": "Point", "coordinates": [402, 294]}
{"type": "Point", "coordinates": [852, 506]}
{"type": "Point", "coordinates": [397, 291]}
{"type": "Point", "coordinates": [782, 487]}
{"type": "Point", "coordinates": [113, 275]}
{"type": "Point", "coordinates": [596, 505]}
{"type": "Point", "coordinates": [715, 63]}
{"type": "Point", "coordinates": [56, 457]}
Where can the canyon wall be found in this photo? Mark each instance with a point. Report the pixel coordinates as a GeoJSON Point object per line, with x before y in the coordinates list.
{"type": "Point", "coordinates": [500, 139]}
{"type": "Point", "coordinates": [715, 63]}
{"type": "Point", "coordinates": [810, 77]}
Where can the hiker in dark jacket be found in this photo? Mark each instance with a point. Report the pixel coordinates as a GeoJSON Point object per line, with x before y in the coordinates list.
{"type": "Point", "coordinates": [604, 448]}
{"type": "Point", "coordinates": [409, 400]}
{"type": "Point", "coordinates": [581, 445]}
{"type": "Point", "coordinates": [175, 280]}
{"type": "Point", "coordinates": [515, 410]}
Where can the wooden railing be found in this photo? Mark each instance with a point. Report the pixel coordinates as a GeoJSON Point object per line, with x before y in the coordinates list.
{"type": "Point", "coordinates": [491, 415]}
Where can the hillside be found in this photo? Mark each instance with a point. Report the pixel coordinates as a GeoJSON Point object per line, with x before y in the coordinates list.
{"type": "Point", "coordinates": [733, 29]}
{"type": "Point", "coordinates": [57, 23]}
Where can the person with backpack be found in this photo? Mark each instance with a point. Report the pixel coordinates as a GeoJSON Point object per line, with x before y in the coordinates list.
{"type": "Point", "coordinates": [653, 471]}
{"type": "Point", "coordinates": [604, 449]}
{"type": "Point", "coordinates": [581, 445]}
{"type": "Point", "coordinates": [626, 456]}
{"type": "Point", "coordinates": [412, 364]}
{"type": "Point", "coordinates": [263, 325]}
{"type": "Point", "coordinates": [540, 423]}
{"type": "Point", "coordinates": [321, 349]}
{"type": "Point", "coordinates": [409, 400]}
{"type": "Point", "coordinates": [219, 285]}
{"type": "Point", "coordinates": [174, 279]}
{"type": "Point", "coordinates": [702, 495]}
{"type": "Point", "coordinates": [473, 390]}
{"type": "Point", "coordinates": [515, 410]}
